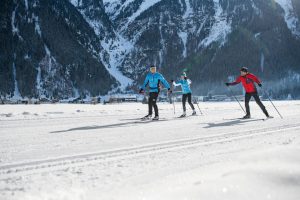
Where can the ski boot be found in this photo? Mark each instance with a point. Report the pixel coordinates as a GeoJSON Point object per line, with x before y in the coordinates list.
{"type": "Point", "coordinates": [147, 117]}
{"type": "Point", "coordinates": [267, 115]}
{"type": "Point", "coordinates": [246, 117]}
{"type": "Point", "coordinates": [155, 118]}
{"type": "Point", "coordinates": [194, 113]}
{"type": "Point", "coordinates": [183, 115]}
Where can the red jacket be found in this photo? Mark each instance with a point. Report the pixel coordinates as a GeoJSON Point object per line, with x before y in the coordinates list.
{"type": "Point", "coordinates": [248, 82]}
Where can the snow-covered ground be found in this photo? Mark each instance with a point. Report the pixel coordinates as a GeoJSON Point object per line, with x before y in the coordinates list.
{"type": "Point", "coordinates": [76, 152]}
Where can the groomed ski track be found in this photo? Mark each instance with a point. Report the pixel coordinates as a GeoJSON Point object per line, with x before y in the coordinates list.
{"type": "Point", "coordinates": [63, 162]}
{"type": "Point", "coordinates": [87, 152]}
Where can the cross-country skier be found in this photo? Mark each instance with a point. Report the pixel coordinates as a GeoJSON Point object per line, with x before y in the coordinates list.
{"type": "Point", "coordinates": [153, 79]}
{"type": "Point", "coordinates": [248, 80]}
{"type": "Point", "coordinates": [186, 92]}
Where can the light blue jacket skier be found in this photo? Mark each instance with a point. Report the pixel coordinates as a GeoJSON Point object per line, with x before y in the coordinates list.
{"type": "Point", "coordinates": [185, 85]}
{"type": "Point", "coordinates": [153, 80]}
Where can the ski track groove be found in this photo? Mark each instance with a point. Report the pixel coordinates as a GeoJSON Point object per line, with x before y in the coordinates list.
{"type": "Point", "coordinates": [85, 159]}
{"type": "Point", "coordinates": [55, 119]}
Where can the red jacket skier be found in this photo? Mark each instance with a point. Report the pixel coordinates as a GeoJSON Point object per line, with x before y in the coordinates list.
{"type": "Point", "coordinates": [248, 80]}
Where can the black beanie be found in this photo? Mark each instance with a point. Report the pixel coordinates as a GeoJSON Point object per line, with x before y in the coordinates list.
{"type": "Point", "coordinates": [244, 69]}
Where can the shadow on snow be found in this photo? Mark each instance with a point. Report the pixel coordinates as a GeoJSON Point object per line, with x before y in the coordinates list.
{"type": "Point", "coordinates": [230, 123]}
{"type": "Point", "coordinates": [117, 125]}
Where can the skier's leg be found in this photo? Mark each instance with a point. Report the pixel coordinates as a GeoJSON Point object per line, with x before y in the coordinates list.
{"type": "Point", "coordinates": [150, 103]}
{"type": "Point", "coordinates": [190, 101]}
{"type": "Point", "coordinates": [261, 105]}
{"type": "Point", "coordinates": [155, 95]}
{"type": "Point", "coordinates": [184, 96]}
{"type": "Point", "coordinates": [247, 100]}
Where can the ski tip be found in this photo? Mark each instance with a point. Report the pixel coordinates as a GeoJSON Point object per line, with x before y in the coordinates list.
{"type": "Point", "coordinates": [270, 117]}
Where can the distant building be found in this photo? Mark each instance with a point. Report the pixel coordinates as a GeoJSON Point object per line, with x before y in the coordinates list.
{"type": "Point", "coordinates": [122, 98]}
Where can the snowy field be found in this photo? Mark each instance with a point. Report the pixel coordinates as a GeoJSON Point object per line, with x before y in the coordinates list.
{"type": "Point", "coordinates": [103, 152]}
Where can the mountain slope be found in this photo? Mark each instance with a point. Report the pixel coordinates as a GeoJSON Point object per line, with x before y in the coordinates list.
{"type": "Point", "coordinates": [51, 51]}
{"type": "Point", "coordinates": [93, 46]}
{"type": "Point", "coordinates": [113, 45]}
{"type": "Point", "coordinates": [213, 39]}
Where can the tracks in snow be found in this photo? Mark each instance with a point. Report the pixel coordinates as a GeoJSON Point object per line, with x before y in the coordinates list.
{"type": "Point", "coordinates": [12, 170]}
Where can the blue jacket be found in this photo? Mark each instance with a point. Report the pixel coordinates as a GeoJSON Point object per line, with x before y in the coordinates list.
{"type": "Point", "coordinates": [185, 85]}
{"type": "Point", "coordinates": [153, 80]}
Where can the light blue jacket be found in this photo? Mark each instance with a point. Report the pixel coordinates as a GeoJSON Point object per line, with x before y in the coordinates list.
{"type": "Point", "coordinates": [153, 80]}
{"type": "Point", "coordinates": [185, 85]}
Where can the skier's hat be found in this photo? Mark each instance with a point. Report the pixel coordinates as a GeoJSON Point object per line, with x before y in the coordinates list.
{"type": "Point", "coordinates": [183, 74]}
{"type": "Point", "coordinates": [244, 69]}
{"type": "Point", "coordinates": [152, 66]}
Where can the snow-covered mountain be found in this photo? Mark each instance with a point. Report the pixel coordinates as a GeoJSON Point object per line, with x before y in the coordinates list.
{"type": "Point", "coordinates": [114, 40]}
{"type": "Point", "coordinates": [49, 50]}
{"type": "Point", "coordinates": [212, 39]}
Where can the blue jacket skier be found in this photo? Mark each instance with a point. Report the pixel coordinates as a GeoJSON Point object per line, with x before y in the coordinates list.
{"type": "Point", "coordinates": [153, 80]}
{"type": "Point", "coordinates": [185, 83]}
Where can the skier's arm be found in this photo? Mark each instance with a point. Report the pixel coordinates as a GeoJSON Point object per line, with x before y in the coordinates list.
{"type": "Point", "coordinates": [189, 81]}
{"type": "Point", "coordinates": [237, 81]}
{"type": "Point", "coordinates": [164, 82]}
{"type": "Point", "coordinates": [145, 83]}
{"type": "Point", "coordinates": [255, 79]}
{"type": "Point", "coordinates": [176, 83]}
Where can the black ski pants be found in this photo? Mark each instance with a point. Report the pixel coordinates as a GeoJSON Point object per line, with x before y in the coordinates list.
{"type": "Point", "coordinates": [189, 98]}
{"type": "Point", "coordinates": [258, 101]}
{"type": "Point", "coordinates": [152, 103]}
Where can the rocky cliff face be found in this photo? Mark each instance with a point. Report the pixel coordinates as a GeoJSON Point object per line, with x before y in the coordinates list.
{"type": "Point", "coordinates": [212, 39]}
{"type": "Point", "coordinates": [63, 48]}
{"type": "Point", "coordinates": [49, 50]}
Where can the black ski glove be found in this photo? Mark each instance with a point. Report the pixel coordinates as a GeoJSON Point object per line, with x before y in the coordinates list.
{"type": "Point", "coordinates": [170, 91]}
{"type": "Point", "coordinates": [227, 84]}
{"type": "Point", "coordinates": [259, 84]}
{"type": "Point", "coordinates": [172, 81]}
{"type": "Point", "coordinates": [141, 91]}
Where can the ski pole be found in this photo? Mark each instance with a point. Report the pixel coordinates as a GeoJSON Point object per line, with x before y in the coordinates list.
{"type": "Point", "coordinates": [275, 107]}
{"type": "Point", "coordinates": [172, 96]}
{"type": "Point", "coordinates": [173, 103]}
{"type": "Point", "coordinates": [236, 99]}
{"type": "Point", "coordinates": [199, 108]}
